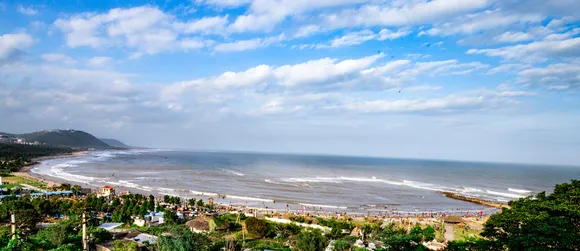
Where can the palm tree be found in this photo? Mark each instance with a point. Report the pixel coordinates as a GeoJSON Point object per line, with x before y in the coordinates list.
{"type": "Point", "coordinates": [76, 189]}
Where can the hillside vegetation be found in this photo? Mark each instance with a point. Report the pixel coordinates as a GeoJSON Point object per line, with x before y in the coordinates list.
{"type": "Point", "coordinates": [69, 138]}
{"type": "Point", "coordinates": [14, 156]}
{"type": "Point", "coordinates": [114, 143]}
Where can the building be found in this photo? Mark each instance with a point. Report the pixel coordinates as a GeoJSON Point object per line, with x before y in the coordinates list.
{"type": "Point", "coordinates": [106, 191]}
{"type": "Point", "coordinates": [199, 225]}
{"type": "Point", "coordinates": [154, 218]}
{"type": "Point", "coordinates": [139, 221]}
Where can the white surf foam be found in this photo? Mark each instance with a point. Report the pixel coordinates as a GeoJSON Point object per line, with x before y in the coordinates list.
{"type": "Point", "coordinates": [233, 172]}
{"type": "Point", "coordinates": [321, 206]}
{"type": "Point", "coordinates": [245, 198]}
{"type": "Point", "coordinates": [505, 195]}
{"type": "Point", "coordinates": [518, 190]}
{"type": "Point", "coordinates": [57, 169]}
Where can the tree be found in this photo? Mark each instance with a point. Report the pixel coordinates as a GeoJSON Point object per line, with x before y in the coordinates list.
{"type": "Point", "coordinates": [191, 202]}
{"type": "Point", "coordinates": [55, 235]}
{"type": "Point", "coordinates": [76, 189]}
{"type": "Point", "coordinates": [98, 234]}
{"type": "Point", "coordinates": [170, 217]}
{"type": "Point", "coordinates": [539, 223]}
{"type": "Point", "coordinates": [66, 247]}
{"type": "Point", "coordinates": [310, 241]}
{"type": "Point", "coordinates": [256, 226]}
{"type": "Point", "coordinates": [65, 186]}
{"type": "Point", "coordinates": [471, 244]}
{"type": "Point", "coordinates": [200, 203]}
{"type": "Point", "coordinates": [403, 242]}
{"type": "Point", "coordinates": [341, 245]}
{"type": "Point", "coordinates": [125, 246]}
{"type": "Point", "coordinates": [183, 239]}
{"type": "Point", "coordinates": [428, 233]}
{"type": "Point", "coordinates": [151, 205]}
{"type": "Point", "coordinates": [143, 210]}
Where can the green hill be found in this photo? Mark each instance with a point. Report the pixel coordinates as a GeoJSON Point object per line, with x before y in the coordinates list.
{"type": "Point", "coordinates": [70, 138]}
{"type": "Point", "coordinates": [114, 143]}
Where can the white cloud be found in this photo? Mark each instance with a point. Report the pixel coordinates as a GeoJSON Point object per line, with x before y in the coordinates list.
{"type": "Point", "coordinates": [194, 43]}
{"type": "Point", "coordinates": [486, 20]}
{"type": "Point", "coordinates": [322, 70]}
{"type": "Point", "coordinates": [26, 10]}
{"type": "Point", "coordinates": [507, 68]}
{"type": "Point", "coordinates": [225, 3]}
{"type": "Point", "coordinates": [10, 42]}
{"type": "Point", "coordinates": [359, 37]}
{"type": "Point", "coordinates": [386, 34]}
{"type": "Point", "coordinates": [423, 88]}
{"type": "Point", "coordinates": [146, 29]}
{"type": "Point", "coordinates": [266, 14]}
{"type": "Point", "coordinates": [250, 44]}
{"type": "Point", "coordinates": [307, 30]}
{"type": "Point", "coordinates": [58, 58]}
{"type": "Point", "coordinates": [554, 76]}
{"type": "Point", "coordinates": [536, 51]}
{"type": "Point", "coordinates": [353, 38]}
{"type": "Point", "coordinates": [100, 61]}
{"type": "Point", "coordinates": [321, 76]}
{"type": "Point", "coordinates": [206, 25]}
{"type": "Point", "coordinates": [400, 13]}
{"type": "Point", "coordinates": [417, 105]}
{"type": "Point", "coordinates": [513, 37]}
{"type": "Point", "coordinates": [277, 107]}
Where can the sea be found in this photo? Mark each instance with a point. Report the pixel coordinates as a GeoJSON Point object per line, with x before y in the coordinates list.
{"type": "Point", "coordinates": [298, 182]}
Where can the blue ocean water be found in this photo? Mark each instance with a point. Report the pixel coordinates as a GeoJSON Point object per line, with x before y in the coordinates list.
{"type": "Point", "coordinates": [328, 182]}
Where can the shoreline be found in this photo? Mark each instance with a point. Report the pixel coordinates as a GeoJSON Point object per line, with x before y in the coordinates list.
{"type": "Point", "coordinates": [25, 171]}
{"type": "Point", "coordinates": [233, 201]}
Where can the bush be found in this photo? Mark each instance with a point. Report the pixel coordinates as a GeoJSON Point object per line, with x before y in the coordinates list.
{"type": "Point", "coordinates": [256, 226]}
{"type": "Point", "coordinates": [125, 246]}
{"type": "Point", "coordinates": [428, 233]}
{"type": "Point", "coordinates": [310, 241]}
{"type": "Point", "coordinates": [341, 245]}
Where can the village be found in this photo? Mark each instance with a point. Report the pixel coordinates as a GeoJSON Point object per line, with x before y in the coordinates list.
{"type": "Point", "coordinates": [139, 221]}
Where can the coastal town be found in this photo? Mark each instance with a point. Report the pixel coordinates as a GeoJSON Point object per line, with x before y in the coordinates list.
{"type": "Point", "coordinates": [140, 214]}
{"type": "Point", "coordinates": [106, 218]}
{"type": "Point", "coordinates": [38, 213]}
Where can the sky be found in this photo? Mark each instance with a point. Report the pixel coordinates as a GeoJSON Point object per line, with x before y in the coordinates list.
{"type": "Point", "coordinates": [482, 80]}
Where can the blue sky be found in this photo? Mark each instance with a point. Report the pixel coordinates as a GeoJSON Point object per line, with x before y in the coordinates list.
{"type": "Point", "coordinates": [483, 80]}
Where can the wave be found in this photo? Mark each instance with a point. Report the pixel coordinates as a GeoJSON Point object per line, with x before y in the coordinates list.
{"type": "Point", "coordinates": [508, 195]}
{"type": "Point", "coordinates": [373, 179]}
{"type": "Point", "coordinates": [203, 193]}
{"type": "Point", "coordinates": [233, 172]}
{"type": "Point", "coordinates": [518, 190]}
{"type": "Point", "coordinates": [235, 197]}
{"type": "Point", "coordinates": [321, 206]}
{"type": "Point", "coordinates": [57, 170]}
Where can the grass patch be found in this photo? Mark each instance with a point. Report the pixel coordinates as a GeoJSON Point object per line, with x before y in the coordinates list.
{"type": "Point", "coordinates": [266, 244]}
{"type": "Point", "coordinates": [10, 186]}
{"type": "Point", "coordinates": [462, 233]}
{"type": "Point", "coordinates": [22, 180]}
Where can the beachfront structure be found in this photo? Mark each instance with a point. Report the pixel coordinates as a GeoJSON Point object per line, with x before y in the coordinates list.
{"type": "Point", "coordinates": [199, 225]}
{"type": "Point", "coordinates": [139, 222]}
{"type": "Point", "coordinates": [154, 218]}
{"type": "Point", "coordinates": [106, 191]}
{"type": "Point", "coordinates": [453, 219]}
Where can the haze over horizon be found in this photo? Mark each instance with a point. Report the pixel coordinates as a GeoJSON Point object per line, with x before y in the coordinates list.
{"type": "Point", "coordinates": [481, 80]}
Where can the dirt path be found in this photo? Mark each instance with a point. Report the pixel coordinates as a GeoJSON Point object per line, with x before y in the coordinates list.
{"type": "Point", "coordinates": [449, 234]}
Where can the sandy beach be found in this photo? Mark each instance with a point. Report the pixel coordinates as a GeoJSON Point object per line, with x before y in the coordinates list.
{"type": "Point", "coordinates": [267, 206]}
{"type": "Point", "coordinates": [25, 171]}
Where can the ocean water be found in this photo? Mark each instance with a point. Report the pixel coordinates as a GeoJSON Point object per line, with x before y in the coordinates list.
{"type": "Point", "coordinates": [332, 183]}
